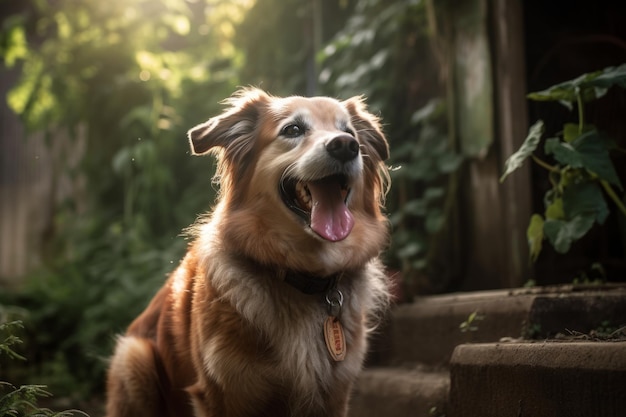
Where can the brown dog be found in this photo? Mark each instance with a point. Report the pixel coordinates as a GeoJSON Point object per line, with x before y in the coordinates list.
{"type": "Point", "coordinates": [268, 313]}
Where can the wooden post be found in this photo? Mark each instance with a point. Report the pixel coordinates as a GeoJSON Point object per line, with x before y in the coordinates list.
{"type": "Point", "coordinates": [512, 128]}
{"type": "Point", "coordinates": [493, 216]}
{"type": "Point", "coordinates": [497, 214]}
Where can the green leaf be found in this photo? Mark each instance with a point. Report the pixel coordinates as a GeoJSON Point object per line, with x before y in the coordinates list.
{"type": "Point", "coordinates": [608, 78]}
{"type": "Point", "coordinates": [566, 92]}
{"type": "Point", "coordinates": [589, 151]}
{"type": "Point", "coordinates": [434, 221]}
{"type": "Point", "coordinates": [568, 218]}
{"type": "Point", "coordinates": [590, 86]}
{"type": "Point", "coordinates": [594, 149]}
{"type": "Point", "coordinates": [449, 162]}
{"type": "Point", "coordinates": [571, 131]}
{"type": "Point", "coordinates": [555, 210]}
{"type": "Point", "coordinates": [121, 161]}
{"type": "Point", "coordinates": [396, 218]}
{"type": "Point", "coordinates": [14, 45]}
{"type": "Point", "coordinates": [427, 112]}
{"type": "Point", "coordinates": [585, 198]}
{"type": "Point", "coordinates": [416, 207]}
{"type": "Point", "coordinates": [409, 250]}
{"type": "Point", "coordinates": [552, 94]}
{"type": "Point", "coordinates": [563, 152]}
{"type": "Point", "coordinates": [433, 193]}
{"type": "Point", "coordinates": [534, 234]}
{"type": "Point", "coordinates": [562, 233]}
{"type": "Point", "coordinates": [528, 147]}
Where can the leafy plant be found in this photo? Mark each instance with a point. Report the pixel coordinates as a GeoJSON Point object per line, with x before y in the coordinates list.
{"type": "Point", "coordinates": [471, 323]}
{"type": "Point", "coordinates": [435, 412]}
{"type": "Point", "coordinates": [425, 164]}
{"type": "Point", "coordinates": [531, 330]}
{"type": "Point", "coordinates": [583, 175]}
{"type": "Point", "coordinates": [374, 55]}
{"type": "Point", "coordinates": [123, 81]}
{"type": "Point", "coordinates": [285, 65]}
{"type": "Point", "coordinates": [78, 308]}
{"type": "Point", "coordinates": [6, 344]}
{"type": "Point", "coordinates": [22, 401]}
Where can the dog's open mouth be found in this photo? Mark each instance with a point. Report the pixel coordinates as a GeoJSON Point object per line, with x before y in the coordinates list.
{"type": "Point", "coordinates": [321, 204]}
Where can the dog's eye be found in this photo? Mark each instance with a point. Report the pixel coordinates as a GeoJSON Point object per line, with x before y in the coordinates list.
{"type": "Point", "coordinates": [292, 131]}
{"type": "Point", "coordinates": [349, 131]}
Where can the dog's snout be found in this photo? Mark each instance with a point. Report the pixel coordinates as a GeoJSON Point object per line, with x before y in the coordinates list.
{"type": "Point", "coordinates": [343, 148]}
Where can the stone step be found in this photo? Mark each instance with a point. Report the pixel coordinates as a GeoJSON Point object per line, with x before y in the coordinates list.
{"type": "Point", "coordinates": [400, 392]}
{"type": "Point", "coordinates": [478, 377]}
{"type": "Point", "coordinates": [428, 330]}
{"type": "Point", "coordinates": [541, 379]}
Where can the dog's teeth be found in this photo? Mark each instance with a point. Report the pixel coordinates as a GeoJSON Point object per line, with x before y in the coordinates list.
{"type": "Point", "coordinates": [303, 196]}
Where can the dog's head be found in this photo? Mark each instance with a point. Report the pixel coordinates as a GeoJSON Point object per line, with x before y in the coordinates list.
{"type": "Point", "coordinates": [301, 179]}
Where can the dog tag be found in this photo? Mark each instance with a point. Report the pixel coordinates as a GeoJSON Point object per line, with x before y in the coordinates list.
{"type": "Point", "coordinates": [335, 339]}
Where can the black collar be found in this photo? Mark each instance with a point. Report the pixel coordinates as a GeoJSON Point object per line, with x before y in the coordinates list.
{"type": "Point", "coordinates": [311, 284]}
{"type": "Point", "coordinates": [306, 283]}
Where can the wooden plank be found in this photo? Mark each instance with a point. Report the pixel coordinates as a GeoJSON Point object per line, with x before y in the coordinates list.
{"type": "Point", "coordinates": [495, 215]}
{"type": "Point", "coordinates": [512, 128]}
{"type": "Point", "coordinates": [473, 80]}
{"type": "Point", "coordinates": [13, 178]}
{"type": "Point", "coordinates": [25, 191]}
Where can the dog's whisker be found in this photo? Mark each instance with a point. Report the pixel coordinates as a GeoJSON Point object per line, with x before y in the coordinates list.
{"type": "Point", "coordinates": [366, 129]}
{"type": "Point", "coordinates": [288, 172]}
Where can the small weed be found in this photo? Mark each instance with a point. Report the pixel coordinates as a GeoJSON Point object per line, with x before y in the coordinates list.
{"type": "Point", "coordinates": [531, 331]}
{"type": "Point", "coordinates": [596, 275]}
{"type": "Point", "coordinates": [580, 169]}
{"type": "Point", "coordinates": [604, 332]}
{"type": "Point", "coordinates": [470, 325]}
{"type": "Point", "coordinates": [435, 412]}
{"type": "Point", "coordinates": [22, 401]}
{"type": "Point", "coordinates": [10, 340]}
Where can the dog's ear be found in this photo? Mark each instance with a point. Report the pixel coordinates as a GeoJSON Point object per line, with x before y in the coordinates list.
{"type": "Point", "coordinates": [367, 126]}
{"type": "Point", "coordinates": [237, 121]}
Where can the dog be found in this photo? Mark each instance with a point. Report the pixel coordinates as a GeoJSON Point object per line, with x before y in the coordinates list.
{"type": "Point", "coordinates": [269, 311]}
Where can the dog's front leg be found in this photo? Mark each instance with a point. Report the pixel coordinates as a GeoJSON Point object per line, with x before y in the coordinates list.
{"type": "Point", "coordinates": [338, 401]}
{"type": "Point", "coordinates": [133, 385]}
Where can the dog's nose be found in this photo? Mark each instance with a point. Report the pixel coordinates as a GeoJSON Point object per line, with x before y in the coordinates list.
{"type": "Point", "coordinates": [343, 148]}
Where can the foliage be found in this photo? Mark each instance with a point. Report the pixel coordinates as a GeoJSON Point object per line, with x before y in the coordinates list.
{"type": "Point", "coordinates": [355, 60]}
{"type": "Point", "coordinates": [77, 308]}
{"type": "Point", "coordinates": [280, 39]}
{"type": "Point", "coordinates": [6, 344]}
{"type": "Point", "coordinates": [424, 165]}
{"type": "Point", "coordinates": [21, 401]}
{"type": "Point", "coordinates": [373, 55]}
{"type": "Point", "coordinates": [119, 83]}
{"type": "Point", "coordinates": [471, 323]}
{"type": "Point", "coordinates": [434, 411]}
{"type": "Point", "coordinates": [122, 80]}
{"type": "Point", "coordinates": [583, 176]}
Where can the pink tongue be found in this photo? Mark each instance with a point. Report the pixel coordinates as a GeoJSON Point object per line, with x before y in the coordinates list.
{"type": "Point", "coordinates": [330, 218]}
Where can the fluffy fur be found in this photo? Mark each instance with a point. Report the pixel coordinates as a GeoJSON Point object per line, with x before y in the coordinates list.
{"type": "Point", "coordinates": [226, 335]}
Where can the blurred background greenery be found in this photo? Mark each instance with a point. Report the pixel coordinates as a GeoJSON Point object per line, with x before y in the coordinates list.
{"type": "Point", "coordinates": [100, 94]}
{"type": "Point", "coordinates": [110, 89]}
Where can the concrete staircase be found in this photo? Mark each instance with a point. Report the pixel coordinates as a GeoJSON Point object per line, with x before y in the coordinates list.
{"type": "Point", "coordinates": [525, 352]}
